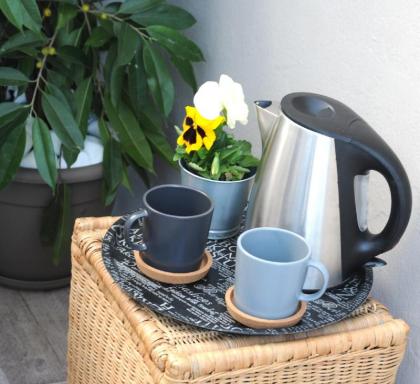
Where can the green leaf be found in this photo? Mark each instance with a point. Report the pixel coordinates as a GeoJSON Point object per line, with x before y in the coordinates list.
{"type": "Point", "coordinates": [186, 71]}
{"type": "Point", "coordinates": [70, 156]}
{"type": "Point", "coordinates": [9, 112]}
{"type": "Point", "coordinates": [11, 76]}
{"type": "Point", "coordinates": [32, 8]}
{"type": "Point", "coordinates": [13, 10]}
{"type": "Point", "coordinates": [57, 78]}
{"type": "Point", "coordinates": [116, 83]}
{"type": "Point", "coordinates": [22, 40]}
{"type": "Point", "coordinates": [128, 43]}
{"type": "Point", "coordinates": [73, 2]}
{"type": "Point", "coordinates": [175, 42]}
{"type": "Point", "coordinates": [113, 167]}
{"type": "Point", "coordinates": [137, 83]}
{"type": "Point", "coordinates": [99, 37]}
{"type": "Point", "coordinates": [156, 136]}
{"type": "Point", "coordinates": [26, 65]}
{"type": "Point", "coordinates": [67, 37]}
{"type": "Point", "coordinates": [62, 122]}
{"type": "Point", "coordinates": [103, 130]}
{"type": "Point", "coordinates": [132, 138]}
{"type": "Point", "coordinates": [72, 55]}
{"type": "Point", "coordinates": [63, 236]}
{"type": "Point", "coordinates": [227, 152]}
{"type": "Point", "coordinates": [135, 6]}
{"type": "Point", "coordinates": [31, 16]}
{"type": "Point", "coordinates": [126, 180]}
{"type": "Point", "coordinates": [109, 62]}
{"type": "Point", "coordinates": [140, 171]}
{"type": "Point", "coordinates": [108, 24]}
{"type": "Point", "coordinates": [167, 15]}
{"type": "Point", "coordinates": [66, 12]}
{"type": "Point", "coordinates": [159, 79]}
{"type": "Point", "coordinates": [11, 116]}
{"type": "Point", "coordinates": [50, 219]}
{"type": "Point", "coordinates": [53, 90]}
{"type": "Point", "coordinates": [83, 101]}
{"type": "Point", "coordinates": [108, 195]}
{"type": "Point", "coordinates": [249, 161]}
{"type": "Point", "coordinates": [11, 152]}
{"type": "Point", "coordinates": [44, 152]}
{"type": "Point", "coordinates": [30, 51]}
{"type": "Point", "coordinates": [195, 167]}
{"type": "Point", "coordinates": [59, 65]}
{"type": "Point", "coordinates": [116, 27]}
{"type": "Point", "coordinates": [22, 13]}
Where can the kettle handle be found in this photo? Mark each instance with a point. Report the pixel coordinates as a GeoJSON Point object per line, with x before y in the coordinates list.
{"type": "Point", "coordinates": [364, 152]}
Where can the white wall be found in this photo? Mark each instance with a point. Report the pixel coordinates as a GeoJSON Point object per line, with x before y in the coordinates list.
{"type": "Point", "coordinates": [364, 53]}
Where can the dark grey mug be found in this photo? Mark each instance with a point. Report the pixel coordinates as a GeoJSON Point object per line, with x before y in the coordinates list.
{"type": "Point", "coordinates": [176, 224]}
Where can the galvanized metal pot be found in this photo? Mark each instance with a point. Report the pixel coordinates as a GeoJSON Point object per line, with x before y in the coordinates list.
{"type": "Point", "coordinates": [229, 199]}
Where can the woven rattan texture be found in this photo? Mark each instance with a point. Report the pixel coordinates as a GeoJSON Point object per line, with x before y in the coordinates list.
{"type": "Point", "coordinates": [114, 341]}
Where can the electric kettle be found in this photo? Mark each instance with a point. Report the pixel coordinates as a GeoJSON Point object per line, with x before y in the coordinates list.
{"type": "Point", "coordinates": [313, 180]}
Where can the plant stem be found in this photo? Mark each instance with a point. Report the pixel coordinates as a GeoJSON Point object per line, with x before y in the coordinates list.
{"type": "Point", "coordinates": [39, 76]}
{"type": "Point", "coordinates": [95, 78]}
{"type": "Point", "coordinates": [119, 19]}
{"type": "Point", "coordinates": [87, 23]}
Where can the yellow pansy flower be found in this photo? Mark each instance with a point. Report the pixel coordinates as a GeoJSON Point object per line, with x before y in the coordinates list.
{"type": "Point", "coordinates": [197, 130]}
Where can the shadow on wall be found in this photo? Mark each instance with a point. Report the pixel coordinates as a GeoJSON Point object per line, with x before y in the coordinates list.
{"type": "Point", "coordinates": [127, 202]}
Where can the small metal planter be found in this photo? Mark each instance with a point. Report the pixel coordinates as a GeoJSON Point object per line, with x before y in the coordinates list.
{"type": "Point", "coordinates": [229, 198]}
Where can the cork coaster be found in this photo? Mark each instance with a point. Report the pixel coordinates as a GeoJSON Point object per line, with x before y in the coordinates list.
{"type": "Point", "coordinates": [258, 323]}
{"type": "Point", "coordinates": [172, 277]}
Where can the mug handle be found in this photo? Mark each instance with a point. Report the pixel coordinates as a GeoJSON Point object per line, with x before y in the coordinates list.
{"type": "Point", "coordinates": [142, 213]}
{"type": "Point", "coordinates": [325, 277]}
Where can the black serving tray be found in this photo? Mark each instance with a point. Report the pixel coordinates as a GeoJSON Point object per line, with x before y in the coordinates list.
{"type": "Point", "coordinates": [202, 304]}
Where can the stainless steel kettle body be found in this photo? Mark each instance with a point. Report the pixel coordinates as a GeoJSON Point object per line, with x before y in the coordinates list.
{"type": "Point", "coordinates": [312, 179]}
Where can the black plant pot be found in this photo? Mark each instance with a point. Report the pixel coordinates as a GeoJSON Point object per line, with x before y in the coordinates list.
{"type": "Point", "coordinates": [25, 263]}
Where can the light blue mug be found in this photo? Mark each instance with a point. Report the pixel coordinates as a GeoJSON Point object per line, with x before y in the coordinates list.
{"type": "Point", "coordinates": [271, 267]}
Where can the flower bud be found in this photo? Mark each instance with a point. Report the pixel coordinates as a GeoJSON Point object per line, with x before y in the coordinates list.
{"type": "Point", "coordinates": [47, 12]}
{"type": "Point", "coordinates": [215, 165]}
{"type": "Point", "coordinates": [178, 130]}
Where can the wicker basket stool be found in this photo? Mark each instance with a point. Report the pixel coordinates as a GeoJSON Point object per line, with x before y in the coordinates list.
{"type": "Point", "coordinates": [112, 340]}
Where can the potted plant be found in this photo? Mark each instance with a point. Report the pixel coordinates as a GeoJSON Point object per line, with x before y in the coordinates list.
{"type": "Point", "coordinates": [211, 159]}
{"type": "Point", "coordinates": [63, 63]}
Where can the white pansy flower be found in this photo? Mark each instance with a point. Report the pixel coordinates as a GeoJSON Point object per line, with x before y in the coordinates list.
{"type": "Point", "coordinates": [212, 98]}
{"type": "Point", "coordinates": [233, 101]}
{"type": "Point", "coordinates": [208, 100]}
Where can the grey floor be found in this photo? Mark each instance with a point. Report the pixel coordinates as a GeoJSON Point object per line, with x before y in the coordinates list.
{"type": "Point", "coordinates": [33, 332]}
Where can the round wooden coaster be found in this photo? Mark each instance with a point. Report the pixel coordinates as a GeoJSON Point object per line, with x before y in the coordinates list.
{"type": "Point", "coordinates": [171, 277]}
{"type": "Point", "coordinates": [258, 323]}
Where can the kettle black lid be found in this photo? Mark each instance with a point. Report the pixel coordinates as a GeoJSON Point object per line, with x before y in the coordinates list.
{"type": "Point", "coordinates": [320, 114]}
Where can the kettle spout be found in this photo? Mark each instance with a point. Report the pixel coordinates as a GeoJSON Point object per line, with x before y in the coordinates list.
{"type": "Point", "coordinates": [267, 116]}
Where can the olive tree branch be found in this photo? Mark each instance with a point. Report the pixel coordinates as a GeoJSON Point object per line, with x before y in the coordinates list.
{"type": "Point", "coordinates": [39, 76]}
{"type": "Point", "coordinates": [121, 20]}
